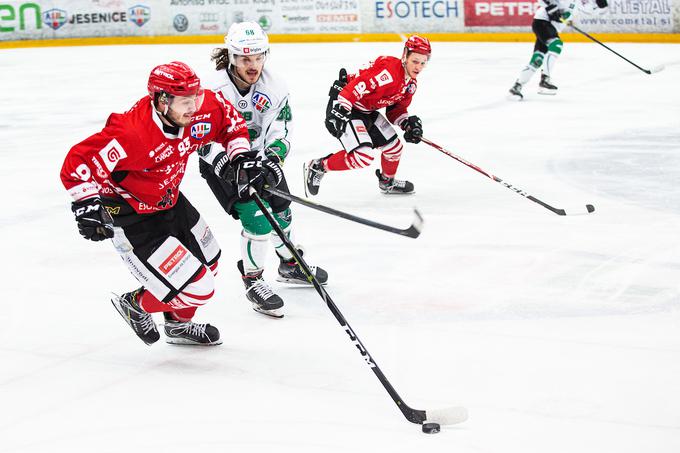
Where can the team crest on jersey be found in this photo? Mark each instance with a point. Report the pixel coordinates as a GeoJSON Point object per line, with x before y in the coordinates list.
{"type": "Point", "coordinates": [200, 130]}
{"type": "Point", "coordinates": [261, 102]}
{"type": "Point", "coordinates": [411, 88]}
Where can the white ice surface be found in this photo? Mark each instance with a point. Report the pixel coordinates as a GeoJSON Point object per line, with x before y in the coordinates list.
{"type": "Point", "coordinates": [560, 334]}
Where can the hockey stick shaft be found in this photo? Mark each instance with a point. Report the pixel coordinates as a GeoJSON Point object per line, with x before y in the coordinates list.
{"type": "Point", "coordinates": [647, 71]}
{"type": "Point", "coordinates": [517, 190]}
{"type": "Point", "coordinates": [413, 231]}
{"type": "Point", "coordinates": [412, 415]}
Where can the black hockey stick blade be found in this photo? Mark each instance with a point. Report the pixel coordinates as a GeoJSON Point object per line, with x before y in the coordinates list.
{"type": "Point", "coordinates": [412, 231]}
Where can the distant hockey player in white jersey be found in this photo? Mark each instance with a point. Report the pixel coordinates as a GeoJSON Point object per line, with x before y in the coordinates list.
{"type": "Point", "coordinates": [550, 19]}
{"type": "Point", "coordinates": [262, 99]}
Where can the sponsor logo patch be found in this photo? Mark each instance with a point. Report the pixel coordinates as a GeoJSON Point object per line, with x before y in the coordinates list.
{"type": "Point", "coordinates": [384, 78]}
{"type": "Point", "coordinates": [139, 15]}
{"type": "Point", "coordinates": [261, 102]}
{"type": "Point", "coordinates": [200, 130]}
{"type": "Point", "coordinates": [171, 261]}
{"type": "Point", "coordinates": [111, 154]}
{"type": "Point", "coordinates": [54, 18]}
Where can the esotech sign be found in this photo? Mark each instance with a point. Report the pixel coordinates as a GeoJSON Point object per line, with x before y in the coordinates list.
{"type": "Point", "coordinates": [414, 9]}
{"type": "Point", "coordinates": [490, 13]}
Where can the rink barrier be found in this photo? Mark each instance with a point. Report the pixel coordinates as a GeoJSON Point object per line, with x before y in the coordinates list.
{"type": "Point", "coordinates": [326, 38]}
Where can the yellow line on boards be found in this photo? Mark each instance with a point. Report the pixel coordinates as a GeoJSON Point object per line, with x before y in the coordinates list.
{"type": "Point", "coordinates": [320, 38]}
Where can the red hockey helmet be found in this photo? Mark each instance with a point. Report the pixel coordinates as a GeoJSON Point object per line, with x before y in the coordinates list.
{"type": "Point", "coordinates": [418, 44]}
{"type": "Point", "coordinates": [175, 78]}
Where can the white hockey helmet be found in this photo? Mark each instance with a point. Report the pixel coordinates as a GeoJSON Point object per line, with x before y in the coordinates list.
{"type": "Point", "coordinates": [246, 38]}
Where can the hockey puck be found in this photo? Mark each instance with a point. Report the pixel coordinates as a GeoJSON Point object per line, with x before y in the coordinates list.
{"type": "Point", "coordinates": [431, 428]}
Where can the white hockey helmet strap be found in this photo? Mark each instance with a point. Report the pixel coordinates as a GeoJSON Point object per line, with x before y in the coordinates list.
{"type": "Point", "coordinates": [246, 38]}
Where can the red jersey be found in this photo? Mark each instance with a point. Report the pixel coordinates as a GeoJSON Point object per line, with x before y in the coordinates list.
{"type": "Point", "coordinates": [132, 157]}
{"type": "Point", "coordinates": [383, 84]}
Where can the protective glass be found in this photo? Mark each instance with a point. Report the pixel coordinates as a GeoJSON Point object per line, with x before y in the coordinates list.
{"type": "Point", "coordinates": [249, 61]}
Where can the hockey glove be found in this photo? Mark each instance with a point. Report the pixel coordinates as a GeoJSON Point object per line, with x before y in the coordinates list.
{"type": "Point", "coordinates": [338, 85]}
{"type": "Point", "coordinates": [252, 172]}
{"type": "Point", "coordinates": [554, 13]}
{"type": "Point", "coordinates": [94, 223]}
{"type": "Point", "coordinates": [336, 120]}
{"type": "Point", "coordinates": [413, 129]}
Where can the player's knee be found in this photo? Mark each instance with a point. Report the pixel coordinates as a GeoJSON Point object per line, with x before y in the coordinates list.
{"type": "Point", "coordinates": [392, 151]}
{"type": "Point", "coordinates": [199, 290]}
{"type": "Point", "coordinates": [252, 220]}
{"type": "Point", "coordinates": [537, 59]}
{"type": "Point", "coordinates": [555, 46]}
{"type": "Point", "coordinates": [360, 157]}
{"type": "Point", "coordinates": [284, 218]}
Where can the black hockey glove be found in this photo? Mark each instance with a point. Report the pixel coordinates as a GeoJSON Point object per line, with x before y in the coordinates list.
{"type": "Point", "coordinates": [336, 120]}
{"type": "Point", "coordinates": [413, 129]}
{"type": "Point", "coordinates": [554, 13]}
{"type": "Point", "coordinates": [94, 223]}
{"type": "Point", "coordinates": [251, 172]}
{"type": "Point", "coordinates": [338, 85]}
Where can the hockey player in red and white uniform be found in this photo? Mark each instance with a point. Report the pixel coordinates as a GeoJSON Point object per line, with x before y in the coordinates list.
{"type": "Point", "coordinates": [125, 184]}
{"type": "Point", "coordinates": [353, 117]}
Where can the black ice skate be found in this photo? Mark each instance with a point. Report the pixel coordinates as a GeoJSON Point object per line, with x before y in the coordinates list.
{"type": "Point", "coordinates": [545, 87]}
{"type": "Point", "coordinates": [391, 186]}
{"type": "Point", "coordinates": [516, 91]}
{"type": "Point", "coordinates": [140, 321]}
{"type": "Point", "coordinates": [291, 272]}
{"type": "Point", "coordinates": [314, 172]}
{"type": "Point", "coordinates": [190, 333]}
{"type": "Point", "coordinates": [260, 294]}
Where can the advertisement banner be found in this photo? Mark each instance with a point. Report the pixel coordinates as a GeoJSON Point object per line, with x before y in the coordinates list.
{"type": "Point", "coordinates": [408, 16]}
{"type": "Point", "coordinates": [201, 17]}
{"type": "Point", "coordinates": [625, 16]}
{"type": "Point", "coordinates": [71, 19]}
{"type": "Point", "coordinates": [493, 13]}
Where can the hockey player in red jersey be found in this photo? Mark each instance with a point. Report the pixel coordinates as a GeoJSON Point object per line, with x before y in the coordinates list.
{"type": "Point", "coordinates": [125, 184]}
{"type": "Point", "coordinates": [352, 116]}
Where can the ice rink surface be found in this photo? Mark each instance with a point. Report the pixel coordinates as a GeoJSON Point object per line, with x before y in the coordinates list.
{"type": "Point", "coordinates": [559, 334]}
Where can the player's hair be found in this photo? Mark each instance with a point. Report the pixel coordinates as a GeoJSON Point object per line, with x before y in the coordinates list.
{"type": "Point", "coordinates": [220, 56]}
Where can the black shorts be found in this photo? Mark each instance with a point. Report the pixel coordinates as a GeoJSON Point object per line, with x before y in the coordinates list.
{"type": "Point", "coordinates": [164, 250]}
{"type": "Point", "coordinates": [227, 194]}
{"type": "Point", "coordinates": [544, 31]}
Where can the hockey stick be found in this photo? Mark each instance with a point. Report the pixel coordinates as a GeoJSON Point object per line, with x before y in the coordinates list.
{"type": "Point", "coordinates": [646, 71]}
{"type": "Point", "coordinates": [413, 231]}
{"type": "Point", "coordinates": [589, 207]}
{"type": "Point", "coordinates": [448, 416]}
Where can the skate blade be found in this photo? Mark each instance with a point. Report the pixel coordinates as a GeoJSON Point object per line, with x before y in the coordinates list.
{"type": "Point", "coordinates": [547, 92]}
{"type": "Point", "coordinates": [185, 342]}
{"type": "Point", "coordinates": [515, 97]}
{"type": "Point", "coordinates": [298, 282]}
{"type": "Point", "coordinates": [274, 313]}
{"type": "Point", "coordinates": [385, 192]}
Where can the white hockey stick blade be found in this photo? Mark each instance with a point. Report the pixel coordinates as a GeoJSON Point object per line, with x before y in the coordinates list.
{"type": "Point", "coordinates": [447, 416]}
{"type": "Point", "coordinates": [589, 208]}
{"type": "Point", "coordinates": [656, 69]}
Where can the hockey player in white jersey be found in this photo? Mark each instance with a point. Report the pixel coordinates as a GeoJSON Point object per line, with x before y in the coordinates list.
{"type": "Point", "coordinates": [262, 99]}
{"type": "Point", "coordinates": [549, 20]}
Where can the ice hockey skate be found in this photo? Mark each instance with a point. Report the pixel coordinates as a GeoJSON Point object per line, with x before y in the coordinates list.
{"type": "Point", "coordinates": [516, 92]}
{"type": "Point", "coordinates": [545, 87]}
{"type": "Point", "coordinates": [259, 293]}
{"type": "Point", "coordinates": [190, 333]}
{"type": "Point", "coordinates": [291, 272]}
{"type": "Point", "coordinates": [313, 173]}
{"type": "Point", "coordinates": [392, 186]}
{"type": "Point", "coordinates": [140, 321]}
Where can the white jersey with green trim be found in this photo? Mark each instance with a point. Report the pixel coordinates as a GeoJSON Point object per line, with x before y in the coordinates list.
{"type": "Point", "coordinates": [264, 107]}
{"type": "Point", "coordinates": [566, 6]}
